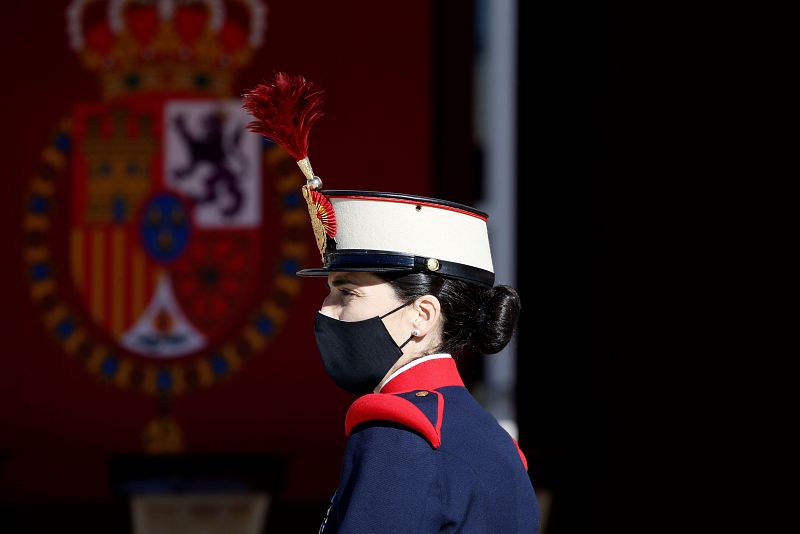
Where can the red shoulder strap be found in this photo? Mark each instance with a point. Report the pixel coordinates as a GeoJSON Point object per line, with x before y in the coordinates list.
{"type": "Point", "coordinates": [384, 407]}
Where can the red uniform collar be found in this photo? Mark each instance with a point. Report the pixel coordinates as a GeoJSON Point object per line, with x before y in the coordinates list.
{"type": "Point", "coordinates": [430, 375]}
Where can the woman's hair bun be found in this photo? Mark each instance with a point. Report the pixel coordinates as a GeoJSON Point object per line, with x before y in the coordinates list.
{"type": "Point", "coordinates": [496, 319]}
{"type": "Point", "coordinates": [483, 319]}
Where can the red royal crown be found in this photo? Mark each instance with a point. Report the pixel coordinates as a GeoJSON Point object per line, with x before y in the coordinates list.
{"type": "Point", "coordinates": [165, 45]}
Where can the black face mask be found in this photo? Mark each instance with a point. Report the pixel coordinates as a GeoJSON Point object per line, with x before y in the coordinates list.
{"type": "Point", "coordinates": [358, 354]}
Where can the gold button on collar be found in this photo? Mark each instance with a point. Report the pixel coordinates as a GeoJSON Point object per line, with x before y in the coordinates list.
{"type": "Point", "coordinates": [422, 393]}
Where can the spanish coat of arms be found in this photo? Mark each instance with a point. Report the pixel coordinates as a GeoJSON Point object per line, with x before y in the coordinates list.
{"type": "Point", "coordinates": [162, 236]}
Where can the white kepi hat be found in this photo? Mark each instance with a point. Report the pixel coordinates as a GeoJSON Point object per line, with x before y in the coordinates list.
{"type": "Point", "coordinates": [365, 230]}
{"type": "Point", "coordinates": [371, 231]}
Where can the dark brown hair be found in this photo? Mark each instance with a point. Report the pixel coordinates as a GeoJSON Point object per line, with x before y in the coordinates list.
{"type": "Point", "coordinates": [480, 318]}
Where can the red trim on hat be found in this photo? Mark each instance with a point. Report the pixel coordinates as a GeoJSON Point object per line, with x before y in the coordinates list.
{"type": "Point", "coordinates": [429, 375]}
{"type": "Point", "coordinates": [414, 202]}
{"type": "Point", "coordinates": [377, 406]}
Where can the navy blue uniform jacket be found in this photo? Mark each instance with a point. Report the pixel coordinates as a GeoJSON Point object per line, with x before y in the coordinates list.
{"type": "Point", "coordinates": [423, 456]}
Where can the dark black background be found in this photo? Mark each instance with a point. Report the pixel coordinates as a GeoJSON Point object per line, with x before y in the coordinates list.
{"type": "Point", "coordinates": [634, 134]}
{"type": "Point", "coordinates": [570, 150]}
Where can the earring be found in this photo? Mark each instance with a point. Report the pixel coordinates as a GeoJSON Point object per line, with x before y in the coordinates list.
{"type": "Point", "coordinates": [415, 332]}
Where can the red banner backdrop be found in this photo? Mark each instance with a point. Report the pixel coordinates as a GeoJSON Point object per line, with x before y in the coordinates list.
{"type": "Point", "coordinates": [65, 405]}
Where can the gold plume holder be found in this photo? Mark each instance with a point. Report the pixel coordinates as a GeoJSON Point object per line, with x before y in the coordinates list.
{"type": "Point", "coordinates": [313, 183]}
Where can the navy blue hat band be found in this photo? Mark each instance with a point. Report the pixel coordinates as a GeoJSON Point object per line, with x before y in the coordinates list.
{"type": "Point", "coordinates": [377, 261]}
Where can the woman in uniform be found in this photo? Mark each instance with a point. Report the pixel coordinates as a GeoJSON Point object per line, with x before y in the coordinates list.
{"type": "Point", "coordinates": [411, 286]}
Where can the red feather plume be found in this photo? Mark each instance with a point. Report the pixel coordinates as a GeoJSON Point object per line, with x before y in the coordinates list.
{"type": "Point", "coordinates": [284, 110]}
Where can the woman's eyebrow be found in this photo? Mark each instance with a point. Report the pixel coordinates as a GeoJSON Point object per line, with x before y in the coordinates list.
{"type": "Point", "coordinates": [341, 282]}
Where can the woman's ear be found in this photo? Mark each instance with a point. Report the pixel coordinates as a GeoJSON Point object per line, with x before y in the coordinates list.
{"type": "Point", "coordinates": [429, 312]}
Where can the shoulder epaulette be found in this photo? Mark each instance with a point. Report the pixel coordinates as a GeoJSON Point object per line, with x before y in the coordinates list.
{"type": "Point", "coordinates": [419, 410]}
